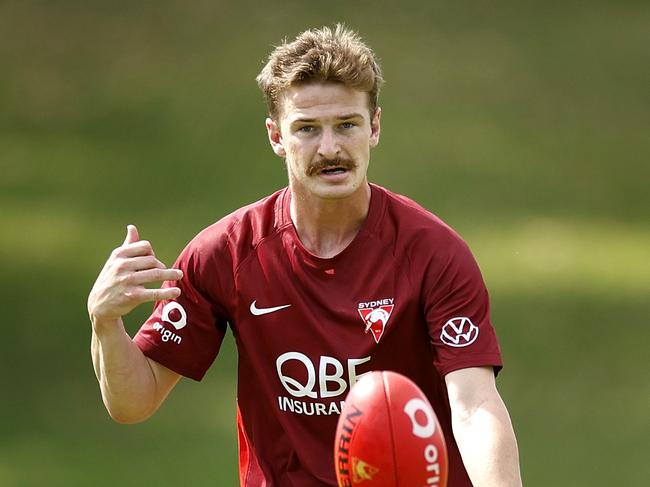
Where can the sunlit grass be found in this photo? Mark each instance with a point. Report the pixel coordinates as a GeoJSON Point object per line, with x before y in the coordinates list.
{"type": "Point", "coordinates": [557, 255]}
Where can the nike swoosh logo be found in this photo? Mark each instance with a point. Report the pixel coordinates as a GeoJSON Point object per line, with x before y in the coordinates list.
{"type": "Point", "coordinates": [264, 311]}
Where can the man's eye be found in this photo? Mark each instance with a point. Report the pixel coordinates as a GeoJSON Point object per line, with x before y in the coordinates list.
{"type": "Point", "coordinates": [306, 129]}
{"type": "Point", "coordinates": [347, 125]}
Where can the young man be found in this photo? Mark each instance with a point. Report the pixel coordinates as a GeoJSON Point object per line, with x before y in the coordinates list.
{"type": "Point", "coordinates": [320, 282]}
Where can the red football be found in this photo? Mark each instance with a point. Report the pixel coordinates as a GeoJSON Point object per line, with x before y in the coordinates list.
{"type": "Point", "coordinates": [389, 436]}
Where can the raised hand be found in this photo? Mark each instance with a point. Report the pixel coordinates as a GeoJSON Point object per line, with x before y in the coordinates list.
{"type": "Point", "coordinates": [120, 286]}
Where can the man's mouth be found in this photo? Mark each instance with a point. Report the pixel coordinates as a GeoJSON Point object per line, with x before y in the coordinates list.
{"type": "Point", "coordinates": [334, 170]}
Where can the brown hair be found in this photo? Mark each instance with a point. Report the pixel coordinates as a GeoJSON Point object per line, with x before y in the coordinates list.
{"type": "Point", "coordinates": [336, 55]}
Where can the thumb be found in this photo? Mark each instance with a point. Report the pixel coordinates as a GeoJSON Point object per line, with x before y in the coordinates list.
{"type": "Point", "coordinates": [131, 234]}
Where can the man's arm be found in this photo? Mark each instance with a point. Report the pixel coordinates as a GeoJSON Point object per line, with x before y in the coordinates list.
{"type": "Point", "coordinates": [132, 385]}
{"type": "Point", "coordinates": [482, 428]}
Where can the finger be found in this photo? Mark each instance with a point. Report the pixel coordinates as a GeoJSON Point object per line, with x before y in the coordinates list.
{"type": "Point", "coordinates": [132, 234]}
{"type": "Point", "coordinates": [159, 294]}
{"type": "Point", "coordinates": [142, 263]}
{"type": "Point", "coordinates": [140, 248]}
{"type": "Point", "coordinates": [156, 275]}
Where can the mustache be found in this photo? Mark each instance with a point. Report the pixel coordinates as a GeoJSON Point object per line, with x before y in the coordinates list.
{"type": "Point", "coordinates": [319, 166]}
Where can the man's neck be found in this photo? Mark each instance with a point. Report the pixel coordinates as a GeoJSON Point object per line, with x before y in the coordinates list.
{"type": "Point", "coordinates": [327, 227]}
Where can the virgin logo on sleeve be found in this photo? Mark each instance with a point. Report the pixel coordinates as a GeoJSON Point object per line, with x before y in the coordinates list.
{"type": "Point", "coordinates": [459, 332]}
{"type": "Point", "coordinates": [375, 315]}
{"type": "Point", "coordinates": [172, 314]}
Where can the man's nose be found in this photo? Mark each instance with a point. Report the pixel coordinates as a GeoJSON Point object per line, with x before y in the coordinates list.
{"type": "Point", "coordinates": [328, 147]}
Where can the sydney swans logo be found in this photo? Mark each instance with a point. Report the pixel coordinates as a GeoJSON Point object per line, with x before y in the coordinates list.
{"type": "Point", "coordinates": [375, 315]}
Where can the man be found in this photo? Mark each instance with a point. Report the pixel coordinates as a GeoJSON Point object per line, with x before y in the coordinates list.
{"type": "Point", "coordinates": [320, 282]}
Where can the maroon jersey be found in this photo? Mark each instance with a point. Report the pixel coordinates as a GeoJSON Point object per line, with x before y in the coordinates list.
{"type": "Point", "coordinates": [406, 295]}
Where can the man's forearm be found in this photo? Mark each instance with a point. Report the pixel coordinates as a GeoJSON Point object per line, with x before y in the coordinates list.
{"type": "Point", "coordinates": [125, 378]}
{"type": "Point", "coordinates": [487, 444]}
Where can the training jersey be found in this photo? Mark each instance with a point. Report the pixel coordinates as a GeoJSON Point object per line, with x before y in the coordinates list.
{"type": "Point", "coordinates": [406, 295]}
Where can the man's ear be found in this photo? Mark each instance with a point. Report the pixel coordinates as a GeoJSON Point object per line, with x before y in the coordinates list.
{"type": "Point", "coordinates": [375, 127]}
{"type": "Point", "coordinates": [275, 137]}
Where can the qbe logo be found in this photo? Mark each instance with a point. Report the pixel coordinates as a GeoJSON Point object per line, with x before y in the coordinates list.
{"type": "Point", "coordinates": [459, 332]}
{"type": "Point", "coordinates": [316, 389]}
{"type": "Point", "coordinates": [175, 315]}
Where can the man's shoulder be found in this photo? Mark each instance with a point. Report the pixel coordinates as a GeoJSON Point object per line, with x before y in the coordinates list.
{"type": "Point", "coordinates": [420, 235]}
{"type": "Point", "coordinates": [411, 218]}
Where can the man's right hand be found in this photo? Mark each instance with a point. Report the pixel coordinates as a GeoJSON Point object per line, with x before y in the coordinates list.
{"type": "Point", "coordinates": [120, 286]}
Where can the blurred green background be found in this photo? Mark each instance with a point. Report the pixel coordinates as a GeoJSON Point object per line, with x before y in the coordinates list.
{"type": "Point", "coordinates": [523, 124]}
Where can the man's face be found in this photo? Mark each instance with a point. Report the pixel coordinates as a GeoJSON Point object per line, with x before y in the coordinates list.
{"type": "Point", "coordinates": [325, 133]}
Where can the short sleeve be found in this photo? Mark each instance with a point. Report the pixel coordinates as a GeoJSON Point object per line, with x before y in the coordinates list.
{"type": "Point", "coordinates": [457, 310]}
{"type": "Point", "coordinates": [185, 334]}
